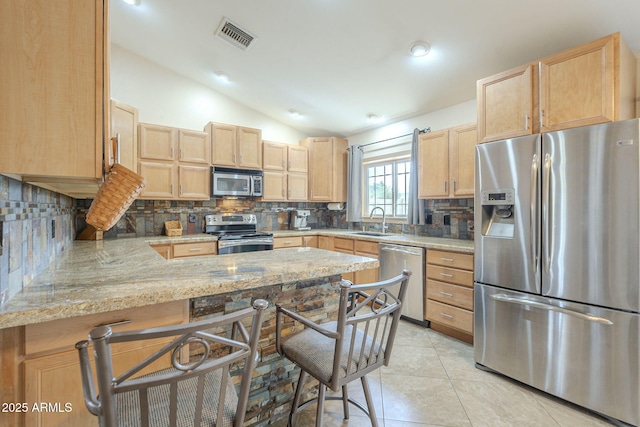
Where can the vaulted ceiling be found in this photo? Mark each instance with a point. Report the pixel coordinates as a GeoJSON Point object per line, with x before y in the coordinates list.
{"type": "Point", "coordinates": [336, 61]}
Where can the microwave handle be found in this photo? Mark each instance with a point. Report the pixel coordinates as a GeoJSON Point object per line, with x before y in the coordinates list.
{"type": "Point", "coordinates": [253, 185]}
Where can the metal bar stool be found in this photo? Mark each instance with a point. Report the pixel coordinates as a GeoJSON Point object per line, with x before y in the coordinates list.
{"type": "Point", "coordinates": [336, 353]}
{"type": "Point", "coordinates": [198, 392]}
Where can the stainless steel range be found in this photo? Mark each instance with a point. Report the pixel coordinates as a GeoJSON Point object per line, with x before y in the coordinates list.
{"type": "Point", "coordinates": [237, 233]}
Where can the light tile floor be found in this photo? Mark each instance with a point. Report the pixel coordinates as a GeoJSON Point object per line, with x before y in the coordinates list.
{"type": "Point", "coordinates": [432, 381]}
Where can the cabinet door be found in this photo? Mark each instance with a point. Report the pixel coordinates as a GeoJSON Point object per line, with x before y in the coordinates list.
{"type": "Point", "coordinates": [274, 156]}
{"type": "Point", "coordinates": [223, 144]}
{"type": "Point", "coordinates": [275, 186]}
{"type": "Point", "coordinates": [370, 250]}
{"type": "Point", "coordinates": [577, 86]}
{"type": "Point", "coordinates": [156, 142]}
{"type": "Point", "coordinates": [124, 126]}
{"type": "Point", "coordinates": [310, 241]}
{"type": "Point", "coordinates": [433, 164]}
{"type": "Point", "coordinates": [163, 250]}
{"type": "Point", "coordinates": [54, 79]}
{"type": "Point", "coordinates": [56, 379]}
{"type": "Point", "coordinates": [297, 185]}
{"type": "Point", "coordinates": [194, 146]}
{"type": "Point", "coordinates": [194, 182]}
{"type": "Point", "coordinates": [320, 170]}
{"type": "Point", "coordinates": [249, 148]}
{"type": "Point", "coordinates": [298, 158]}
{"type": "Point", "coordinates": [505, 104]}
{"type": "Point", "coordinates": [159, 180]}
{"type": "Point", "coordinates": [463, 140]}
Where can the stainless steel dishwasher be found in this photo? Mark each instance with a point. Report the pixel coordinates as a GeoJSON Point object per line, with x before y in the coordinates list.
{"type": "Point", "coordinates": [393, 259]}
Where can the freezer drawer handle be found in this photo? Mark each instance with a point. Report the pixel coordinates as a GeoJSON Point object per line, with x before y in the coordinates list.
{"type": "Point", "coordinates": [521, 301]}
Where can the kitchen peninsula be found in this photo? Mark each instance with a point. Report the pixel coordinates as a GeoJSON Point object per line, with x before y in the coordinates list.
{"type": "Point", "coordinates": [124, 279]}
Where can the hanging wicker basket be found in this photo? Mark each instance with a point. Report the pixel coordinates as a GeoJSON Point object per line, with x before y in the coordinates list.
{"type": "Point", "coordinates": [119, 189]}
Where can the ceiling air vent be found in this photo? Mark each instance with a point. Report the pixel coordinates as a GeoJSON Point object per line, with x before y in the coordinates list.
{"type": "Point", "coordinates": [232, 33]}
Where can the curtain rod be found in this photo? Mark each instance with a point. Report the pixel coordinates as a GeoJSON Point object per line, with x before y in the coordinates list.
{"type": "Point", "coordinates": [426, 130]}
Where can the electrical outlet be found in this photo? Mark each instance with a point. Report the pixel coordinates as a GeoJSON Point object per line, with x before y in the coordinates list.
{"type": "Point", "coordinates": [1, 237]}
{"type": "Point", "coordinates": [192, 218]}
{"type": "Point", "coordinates": [53, 228]}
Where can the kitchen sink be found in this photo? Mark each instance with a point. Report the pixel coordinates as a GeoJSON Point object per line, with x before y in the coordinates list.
{"type": "Point", "coordinates": [370, 233]}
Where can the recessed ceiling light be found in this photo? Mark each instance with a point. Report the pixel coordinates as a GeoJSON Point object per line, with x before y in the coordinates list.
{"type": "Point", "coordinates": [222, 77]}
{"type": "Point", "coordinates": [419, 48]}
{"type": "Point", "coordinates": [374, 117]}
{"type": "Point", "coordinates": [295, 113]}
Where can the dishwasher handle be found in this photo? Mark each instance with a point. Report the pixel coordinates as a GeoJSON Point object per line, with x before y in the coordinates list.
{"type": "Point", "coordinates": [402, 249]}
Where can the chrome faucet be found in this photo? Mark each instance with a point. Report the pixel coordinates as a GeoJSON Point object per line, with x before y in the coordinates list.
{"type": "Point", "coordinates": [384, 222]}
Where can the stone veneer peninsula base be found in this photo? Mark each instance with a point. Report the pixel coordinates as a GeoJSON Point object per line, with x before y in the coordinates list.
{"type": "Point", "coordinates": [274, 377]}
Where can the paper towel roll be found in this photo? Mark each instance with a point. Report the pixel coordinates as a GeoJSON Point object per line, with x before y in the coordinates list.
{"type": "Point", "coordinates": [334, 206]}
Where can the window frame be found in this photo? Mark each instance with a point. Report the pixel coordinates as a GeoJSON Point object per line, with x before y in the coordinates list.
{"type": "Point", "coordinates": [394, 160]}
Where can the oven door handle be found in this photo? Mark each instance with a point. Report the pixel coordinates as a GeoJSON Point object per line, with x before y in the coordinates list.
{"type": "Point", "coordinates": [240, 242]}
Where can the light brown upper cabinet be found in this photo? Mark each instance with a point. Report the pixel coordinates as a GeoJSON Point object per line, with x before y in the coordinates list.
{"type": "Point", "coordinates": [327, 169]}
{"type": "Point", "coordinates": [55, 90]}
{"type": "Point", "coordinates": [433, 164]}
{"type": "Point", "coordinates": [235, 146]}
{"type": "Point", "coordinates": [124, 136]}
{"type": "Point", "coordinates": [285, 172]}
{"type": "Point", "coordinates": [591, 83]}
{"type": "Point", "coordinates": [505, 104]}
{"type": "Point", "coordinates": [446, 162]}
{"type": "Point", "coordinates": [174, 162]}
{"type": "Point", "coordinates": [462, 143]}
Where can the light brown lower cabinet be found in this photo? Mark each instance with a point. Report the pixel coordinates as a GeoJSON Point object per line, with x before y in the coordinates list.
{"type": "Point", "coordinates": [368, 249]}
{"type": "Point", "coordinates": [287, 242]}
{"type": "Point", "coordinates": [184, 250]}
{"type": "Point", "coordinates": [449, 296]}
{"type": "Point", "coordinates": [51, 387]}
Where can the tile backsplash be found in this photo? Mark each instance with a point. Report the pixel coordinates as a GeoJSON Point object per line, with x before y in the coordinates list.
{"type": "Point", "coordinates": [37, 226]}
{"type": "Point", "coordinates": [450, 218]}
{"type": "Point", "coordinates": [147, 217]}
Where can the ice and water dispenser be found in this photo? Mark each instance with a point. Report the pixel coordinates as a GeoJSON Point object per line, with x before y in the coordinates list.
{"type": "Point", "coordinates": [497, 212]}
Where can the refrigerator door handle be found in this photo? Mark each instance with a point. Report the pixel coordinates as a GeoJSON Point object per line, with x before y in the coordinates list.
{"type": "Point", "coordinates": [534, 213]}
{"type": "Point", "coordinates": [537, 304]}
{"type": "Point", "coordinates": [545, 213]}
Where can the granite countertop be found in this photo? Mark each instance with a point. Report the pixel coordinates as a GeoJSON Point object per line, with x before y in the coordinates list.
{"type": "Point", "coordinates": [101, 276]}
{"type": "Point", "coordinates": [456, 245]}
{"type": "Point", "coordinates": [93, 277]}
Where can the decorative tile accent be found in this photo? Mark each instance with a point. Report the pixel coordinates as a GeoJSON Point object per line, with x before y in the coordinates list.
{"type": "Point", "coordinates": [27, 212]}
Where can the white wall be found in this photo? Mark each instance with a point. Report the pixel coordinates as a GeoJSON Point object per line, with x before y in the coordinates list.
{"type": "Point", "coordinates": [459, 114]}
{"type": "Point", "coordinates": [166, 98]}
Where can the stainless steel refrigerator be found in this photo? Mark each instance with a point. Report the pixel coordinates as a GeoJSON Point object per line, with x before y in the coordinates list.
{"type": "Point", "coordinates": [557, 293]}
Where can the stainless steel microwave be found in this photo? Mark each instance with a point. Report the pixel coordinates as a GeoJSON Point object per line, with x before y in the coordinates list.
{"type": "Point", "coordinates": [236, 182]}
